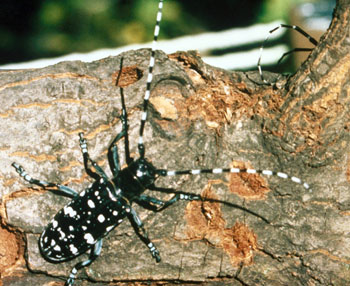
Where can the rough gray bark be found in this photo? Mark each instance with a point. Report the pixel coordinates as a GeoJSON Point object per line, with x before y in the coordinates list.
{"type": "Point", "coordinates": [200, 117]}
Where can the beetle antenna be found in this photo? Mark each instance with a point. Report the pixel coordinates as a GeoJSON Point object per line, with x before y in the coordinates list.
{"type": "Point", "coordinates": [141, 146]}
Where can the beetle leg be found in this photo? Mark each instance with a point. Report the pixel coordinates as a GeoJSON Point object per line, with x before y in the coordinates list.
{"type": "Point", "coordinates": [178, 196]}
{"type": "Point", "coordinates": [95, 252]}
{"type": "Point", "coordinates": [141, 232]}
{"type": "Point", "coordinates": [99, 172]}
{"type": "Point", "coordinates": [189, 197]}
{"type": "Point", "coordinates": [113, 158]}
{"type": "Point", "coordinates": [66, 191]}
{"type": "Point", "coordinates": [157, 205]}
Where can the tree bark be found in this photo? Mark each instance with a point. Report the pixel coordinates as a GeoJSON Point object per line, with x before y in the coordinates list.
{"type": "Point", "coordinates": [200, 117]}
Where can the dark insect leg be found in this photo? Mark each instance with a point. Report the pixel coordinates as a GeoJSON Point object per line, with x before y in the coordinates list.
{"type": "Point", "coordinates": [95, 252]}
{"type": "Point", "coordinates": [148, 201]}
{"type": "Point", "coordinates": [66, 191]}
{"type": "Point", "coordinates": [113, 158]}
{"type": "Point", "coordinates": [141, 232]}
{"type": "Point", "coordinates": [99, 172]}
{"type": "Point", "coordinates": [157, 205]}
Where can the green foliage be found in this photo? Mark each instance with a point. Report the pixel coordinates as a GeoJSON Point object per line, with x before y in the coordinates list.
{"type": "Point", "coordinates": [48, 28]}
{"type": "Point", "coordinates": [277, 9]}
{"type": "Point", "coordinates": [65, 26]}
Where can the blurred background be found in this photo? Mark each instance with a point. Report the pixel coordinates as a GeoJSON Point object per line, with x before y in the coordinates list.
{"type": "Point", "coordinates": [227, 33]}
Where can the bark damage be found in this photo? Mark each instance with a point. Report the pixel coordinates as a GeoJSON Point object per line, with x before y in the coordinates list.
{"type": "Point", "coordinates": [199, 117]}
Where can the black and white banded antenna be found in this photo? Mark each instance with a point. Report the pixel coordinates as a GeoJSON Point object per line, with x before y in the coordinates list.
{"type": "Point", "coordinates": [293, 27]}
{"type": "Point", "coordinates": [141, 145]}
{"type": "Point", "coordinates": [165, 173]}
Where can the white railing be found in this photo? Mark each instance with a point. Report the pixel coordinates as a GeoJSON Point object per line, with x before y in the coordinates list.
{"type": "Point", "coordinates": [203, 43]}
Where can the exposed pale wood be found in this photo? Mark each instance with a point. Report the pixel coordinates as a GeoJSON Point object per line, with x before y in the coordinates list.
{"type": "Point", "coordinates": [201, 116]}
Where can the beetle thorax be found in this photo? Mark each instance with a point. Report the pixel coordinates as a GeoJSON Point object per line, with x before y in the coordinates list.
{"type": "Point", "coordinates": [143, 171]}
{"type": "Point", "coordinates": [136, 178]}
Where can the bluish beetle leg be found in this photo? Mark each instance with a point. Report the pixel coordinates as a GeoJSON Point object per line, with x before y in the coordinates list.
{"type": "Point", "coordinates": [157, 205]}
{"type": "Point", "coordinates": [141, 232]}
{"type": "Point", "coordinates": [66, 191]}
{"type": "Point", "coordinates": [99, 172]}
{"type": "Point", "coordinates": [148, 202]}
{"type": "Point", "coordinates": [113, 158]}
{"type": "Point", "coordinates": [95, 252]}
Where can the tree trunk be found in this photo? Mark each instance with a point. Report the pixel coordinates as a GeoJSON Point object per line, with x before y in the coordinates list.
{"type": "Point", "coordinates": [200, 117]}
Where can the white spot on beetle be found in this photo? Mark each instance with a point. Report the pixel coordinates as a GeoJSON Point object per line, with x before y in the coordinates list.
{"type": "Point", "coordinates": [63, 235]}
{"type": "Point", "coordinates": [101, 218]}
{"type": "Point", "coordinates": [54, 223]}
{"type": "Point", "coordinates": [73, 249]}
{"type": "Point", "coordinates": [89, 238]}
{"type": "Point", "coordinates": [69, 211]}
{"type": "Point", "coordinates": [111, 196]}
{"type": "Point", "coordinates": [108, 229]}
{"type": "Point", "coordinates": [84, 227]}
{"type": "Point", "coordinates": [91, 204]}
{"type": "Point", "coordinates": [53, 242]}
{"type": "Point", "coordinates": [115, 213]}
{"type": "Point", "coordinates": [57, 248]}
{"type": "Point", "coordinates": [71, 228]}
{"type": "Point", "coordinates": [82, 193]}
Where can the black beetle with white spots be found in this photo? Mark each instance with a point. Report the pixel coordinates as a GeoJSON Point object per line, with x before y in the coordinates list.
{"type": "Point", "coordinates": [81, 225]}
